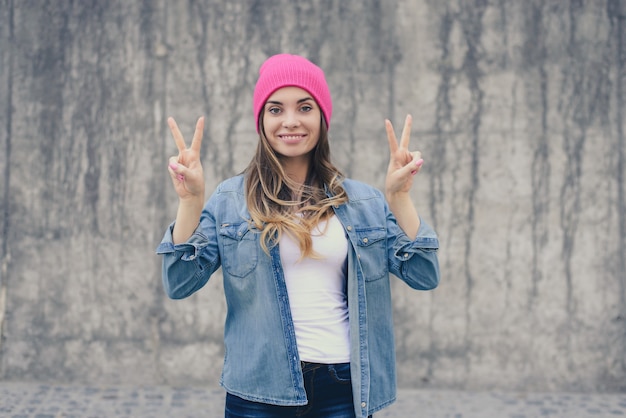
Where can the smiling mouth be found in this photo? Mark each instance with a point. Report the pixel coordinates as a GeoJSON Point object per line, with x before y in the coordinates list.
{"type": "Point", "coordinates": [291, 138]}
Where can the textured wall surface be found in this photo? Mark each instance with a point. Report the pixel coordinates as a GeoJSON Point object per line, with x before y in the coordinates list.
{"type": "Point", "coordinates": [518, 109]}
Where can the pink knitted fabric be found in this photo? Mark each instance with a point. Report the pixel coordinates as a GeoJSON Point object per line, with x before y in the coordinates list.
{"type": "Point", "coordinates": [284, 70]}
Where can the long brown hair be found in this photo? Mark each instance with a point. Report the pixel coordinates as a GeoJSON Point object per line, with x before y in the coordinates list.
{"type": "Point", "coordinates": [278, 205]}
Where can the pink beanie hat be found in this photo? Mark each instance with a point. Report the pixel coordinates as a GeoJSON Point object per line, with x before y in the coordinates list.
{"type": "Point", "coordinates": [284, 70]}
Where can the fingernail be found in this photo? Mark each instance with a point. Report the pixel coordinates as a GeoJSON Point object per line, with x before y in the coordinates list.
{"type": "Point", "coordinates": [419, 162]}
{"type": "Point", "coordinates": [414, 172]}
{"type": "Point", "coordinates": [173, 166]}
{"type": "Point", "coordinates": [180, 177]}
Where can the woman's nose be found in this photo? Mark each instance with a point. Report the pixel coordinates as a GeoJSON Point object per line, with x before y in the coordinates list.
{"type": "Point", "coordinates": [291, 120]}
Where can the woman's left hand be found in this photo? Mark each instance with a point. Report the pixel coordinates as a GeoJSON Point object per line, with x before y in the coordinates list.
{"type": "Point", "coordinates": [403, 164]}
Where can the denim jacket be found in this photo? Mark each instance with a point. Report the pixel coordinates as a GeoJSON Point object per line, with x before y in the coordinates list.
{"type": "Point", "coordinates": [261, 358]}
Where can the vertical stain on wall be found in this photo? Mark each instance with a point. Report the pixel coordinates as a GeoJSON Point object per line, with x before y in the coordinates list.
{"type": "Point", "coordinates": [91, 20]}
{"type": "Point", "coordinates": [198, 25]}
{"type": "Point", "coordinates": [153, 43]}
{"type": "Point", "coordinates": [575, 112]}
{"type": "Point", "coordinates": [443, 116]}
{"type": "Point", "coordinates": [443, 130]}
{"type": "Point", "coordinates": [471, 20]}
{"type": "Point", "coordinates": [391, 55]}
{"type": "Point", "coordinates": [534, 52]}
{"type": "Point", "coordinates": [353, 96]}
{"type": "Point", "coordinates": [8, 134]}
{"type": "Point", "coordinates": [616, 12]}
{"type": "Point", "coordinates": [233, 69]}
{"type": "Point", "coordinates": [581, 97]}
{"type": "Point", "coordinates": [5, 255]}
{"type": "Point", "coordinates": [49, 69]}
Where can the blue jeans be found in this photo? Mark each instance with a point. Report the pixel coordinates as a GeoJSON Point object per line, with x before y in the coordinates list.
{"type": "Point", "coordinates": [328, 389]}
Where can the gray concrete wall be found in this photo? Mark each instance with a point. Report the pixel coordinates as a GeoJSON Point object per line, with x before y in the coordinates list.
{"type": "Point", "coordinates": [518, 109]}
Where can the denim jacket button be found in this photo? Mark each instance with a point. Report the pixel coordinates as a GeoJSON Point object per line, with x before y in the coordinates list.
{"type": "Point", "coordinates": [365, 240]}
{"type": "Point", "coordinates": [349, 228]}
{"type": "Point", "coordinates": [363, 404]}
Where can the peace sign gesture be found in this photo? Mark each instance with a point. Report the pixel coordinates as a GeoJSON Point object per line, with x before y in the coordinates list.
{"type": "Point", "coordinates": [185, 168]}
{"type": "Point", "coordinates": [403, 164]}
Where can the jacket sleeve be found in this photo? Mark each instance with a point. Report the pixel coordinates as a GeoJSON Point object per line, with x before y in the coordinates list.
{"type": "Point", "coordinates": [187, 267]}
{"type": "Point", "coordinates": [415, 262]}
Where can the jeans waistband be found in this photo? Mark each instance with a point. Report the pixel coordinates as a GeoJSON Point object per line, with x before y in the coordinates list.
{"type": "Point", "coordinates": [308, 365]}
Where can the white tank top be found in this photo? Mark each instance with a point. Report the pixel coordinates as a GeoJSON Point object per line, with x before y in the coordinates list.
{"type": "Point", "coordinates": [318, 294]}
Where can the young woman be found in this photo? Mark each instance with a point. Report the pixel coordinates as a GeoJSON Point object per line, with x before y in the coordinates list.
{"type": "Point", "coordinates": [305, 254]}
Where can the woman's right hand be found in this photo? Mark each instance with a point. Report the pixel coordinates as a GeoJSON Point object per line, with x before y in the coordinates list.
{"type": "Point", "coordinates": [188, 178]}
{"type": "Point", "coordinates": [186, 168]}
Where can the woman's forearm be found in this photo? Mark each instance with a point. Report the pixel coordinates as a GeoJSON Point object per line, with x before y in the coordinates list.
{"type": "Point", "coordinates": [405, 213]}
{"type": "Point", "coordinates": [187, 218]}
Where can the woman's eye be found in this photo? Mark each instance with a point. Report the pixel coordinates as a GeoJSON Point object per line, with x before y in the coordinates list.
{"type": "Point", "coordinates": [306, 108]}
{"type": "Point", "coordinates": [274, 110]}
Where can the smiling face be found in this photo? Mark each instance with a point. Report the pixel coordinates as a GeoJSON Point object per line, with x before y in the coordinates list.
{"type": "Point", "coordinates": [291, 123]}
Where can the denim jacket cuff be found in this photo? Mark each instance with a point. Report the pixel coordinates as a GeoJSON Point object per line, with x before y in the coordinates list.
{"type": "Point", "coordinates": [190, 249]}
{"type": "Point", "coordinates": [426, 240]}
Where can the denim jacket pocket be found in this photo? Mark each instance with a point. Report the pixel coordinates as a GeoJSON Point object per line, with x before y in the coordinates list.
{"type": "Point", "coordinates": [372, 252]}
{"type": "Point", "coordinates": [239, 243]}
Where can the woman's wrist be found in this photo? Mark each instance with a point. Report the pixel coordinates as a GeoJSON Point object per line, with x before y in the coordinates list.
{"type": "Point", "coordinates": [187, 218]}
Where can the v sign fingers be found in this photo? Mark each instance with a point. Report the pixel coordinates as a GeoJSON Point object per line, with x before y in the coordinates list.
{"type": "Point", "coordinates": [185, 168]}
{"type": "Point", "coordinates": [391, 137]}
{"type": "Point", "coordinates": [178, 136]}
{"type": "Point", "coordinates": [196, 142]}
{"type": "Point", "coordinates": [403, 164]}
{"type": "Point", "coordinates": [406, 132]}
{"type": "Point", "coordinates": [399, 153]}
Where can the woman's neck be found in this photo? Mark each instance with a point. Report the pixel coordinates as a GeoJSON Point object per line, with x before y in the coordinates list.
{"type": "Point", "coordinates": [297, 170]}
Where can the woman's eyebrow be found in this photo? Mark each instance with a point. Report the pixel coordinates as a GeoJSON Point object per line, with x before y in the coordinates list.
{"type": "Point", "coordinates": [276, 102]}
